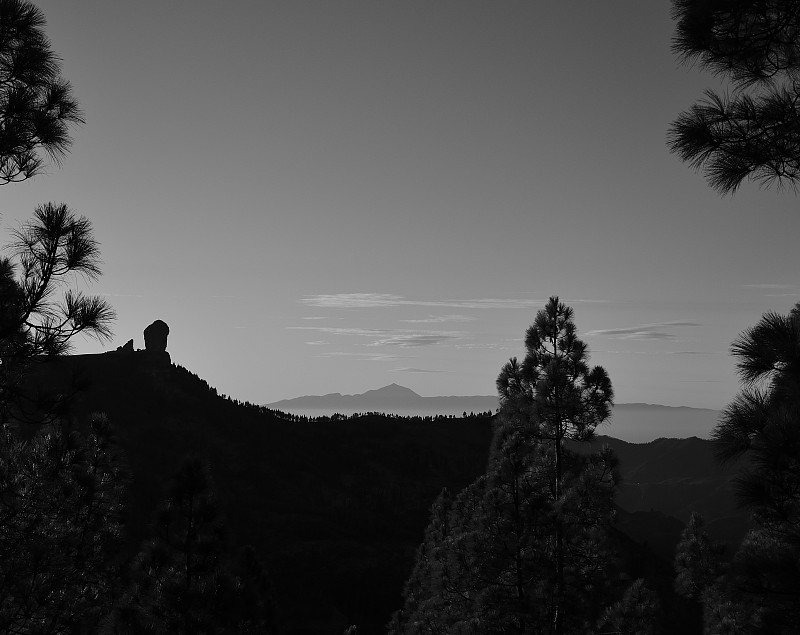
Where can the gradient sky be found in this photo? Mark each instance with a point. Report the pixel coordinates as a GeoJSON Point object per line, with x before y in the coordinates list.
{"type": "Point", "coordinates": [332, 196]}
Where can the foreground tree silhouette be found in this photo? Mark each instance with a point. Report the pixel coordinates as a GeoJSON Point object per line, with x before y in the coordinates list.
{"type": "Point", "coordinates": [60, 492]}
{"type": "Point", "coordinates": [760, 591]}
{"type": "Point", "coordinates": [36, 318]}
{"type": "Point", "coordinates": [61, 499]}
{"type": "Point", "coordinates": [36, 109]}
{"type": "Point", "coordinates": [36, 104]}
{"type": "Point", "coordinates": [182, 581]}
{"type": "Point", "coordinates": [555, 387]}
{"type": "Point", "coordinates": [699, 577]}
{"type": "Point", "coordinates": [756, 132]}
{"type": "Point", "coordinates": [697, 559]}
{"type": "Point", "coordinates": [528, 539]}
{"type": "Point", "coordinates": [637, 613]}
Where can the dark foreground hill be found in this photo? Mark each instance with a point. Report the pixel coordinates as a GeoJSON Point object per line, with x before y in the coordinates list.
{"type": "Point", "coordinates": [336, 509]}
{"type": "Point", "coordinates": [664, 481]}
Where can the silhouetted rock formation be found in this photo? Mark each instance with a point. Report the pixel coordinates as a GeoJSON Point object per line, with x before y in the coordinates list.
{"type": "Point", "coordinates": [127, 348]}
{"type": "Point", "coordinates": [155, 337]}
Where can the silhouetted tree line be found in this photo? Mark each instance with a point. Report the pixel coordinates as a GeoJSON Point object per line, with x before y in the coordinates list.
{"type": "Point", "coordinates": [191, 380]}
{"type": "Point", "coordinates": [389, 415]}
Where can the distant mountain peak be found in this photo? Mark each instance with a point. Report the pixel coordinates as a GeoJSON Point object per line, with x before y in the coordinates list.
{"type": "Point", "coordinates": [392, 390]}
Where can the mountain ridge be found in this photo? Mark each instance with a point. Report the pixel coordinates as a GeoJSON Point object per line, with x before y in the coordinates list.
{"type": "Point", "coordinates": [393, 390]}
{"type": "Point", "coordinates": [635, 422]}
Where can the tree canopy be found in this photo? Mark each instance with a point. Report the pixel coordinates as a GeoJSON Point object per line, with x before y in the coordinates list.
{"type": "Point", "coordinates": [524, 548]}
{"type": "Point", "coordinates": [753, 132]}
{"type": "Point", "coordinates": [37, 318]}
{"type": "Point", "coordinates": [36, 105]}
{"type": "Point", "coordinates": [759, 592]}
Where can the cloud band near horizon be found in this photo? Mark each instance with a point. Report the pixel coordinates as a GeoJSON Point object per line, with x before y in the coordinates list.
{"type": "Point", "coordinates": [379, 300]}
{"type": "Point", "coordinates": [656, 331]}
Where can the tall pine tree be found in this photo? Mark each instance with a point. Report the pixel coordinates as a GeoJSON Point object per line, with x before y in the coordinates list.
{"type": "Point", "coordinates": [762, 426]}
{"type": "Point", "coordinates": [555, 388]}
{"type": "Point", "coordinates": [61, 498]}
{"type": "Point", "coordinates": [523, 549]}
{"type": "Point", "coordinates": [759, 590]}
{"type": "Point", "coordinates": [183, 580]}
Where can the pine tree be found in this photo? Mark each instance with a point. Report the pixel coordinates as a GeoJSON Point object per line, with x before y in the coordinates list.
{"type": "Point", "coordinates": [425, 592]}
{"type": "Point", "coordinates": [176, 582]}
{"type": "Point", "coordinates": [61, 492]}
{"type": "Point", "coordinates": [555, 388]}
{"type": "Point", "coordinates": [528, 538]}
{"type": "Point", "coordinates": [698, 561]}
{"type": "Point", "coordinates": [61, 499]}
{"type": "Point", "coordinates": [488, 562]}
{"type": "Point", "coordinates": [761, 590]}
{"type": "Point", "coordinates": [36, 321]}
{"type": "Point", "coordinates": [36, 104]}
{"type": "Point", "coordinates": [183, 580]}
{"type": "Point", "coordinates": [253, 603]}
{"type": "Point", "coordinates": [754, 132]}
{"type": "Point", "coordinates": [637, 613]}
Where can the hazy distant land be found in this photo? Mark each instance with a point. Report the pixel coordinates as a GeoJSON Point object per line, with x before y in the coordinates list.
{"type": "Point", "coordinates": [632, 422]}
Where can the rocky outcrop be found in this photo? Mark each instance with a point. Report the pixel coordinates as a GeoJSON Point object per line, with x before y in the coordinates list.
{"type": "Point", "coordinates": [155, 337]}
{"type": "Point", "coordinates": [127, 348]}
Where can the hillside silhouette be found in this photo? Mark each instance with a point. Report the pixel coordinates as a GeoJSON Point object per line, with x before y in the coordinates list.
{"type": "Point", "coordinates": [336, 507]}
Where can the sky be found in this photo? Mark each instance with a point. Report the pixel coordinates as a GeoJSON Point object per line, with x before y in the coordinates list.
{"type": "Point", "coordinates": [332, 196]}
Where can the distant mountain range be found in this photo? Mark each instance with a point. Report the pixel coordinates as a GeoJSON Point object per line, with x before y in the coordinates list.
{"type": "Point", "coordinates": [392, 399]}
{"type": "Point", "coordinates": [632, 422]}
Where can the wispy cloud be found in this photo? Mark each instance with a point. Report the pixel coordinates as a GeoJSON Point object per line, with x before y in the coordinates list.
{"type": "Point", "coordinates": [440, 319]}
{"type": "Point", "coordinates": [772, 287]}
{"type": "Point", "coordinates": [390, 337]}
{"type": "Point", "coordinates": [336, 330]}
{"type": "Point", "coordinates": [374, 300]}
{"type": "Point", "coordinates": [657, 331]}
{"type": "Point", "coordinates": [365, 357]}
{"type": "Point", "coordinates": [606, 351]}
{"type": "Point", "coordinates": [787, 290]}
{"type": "Point", "coordinates": [487, 346]}
{"type": "Point", "coordinates": [353, 300]}
{"type": "Point", "coordinates": [407, 369]}
{"type": "Point", "coordinates": [416, 339]}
